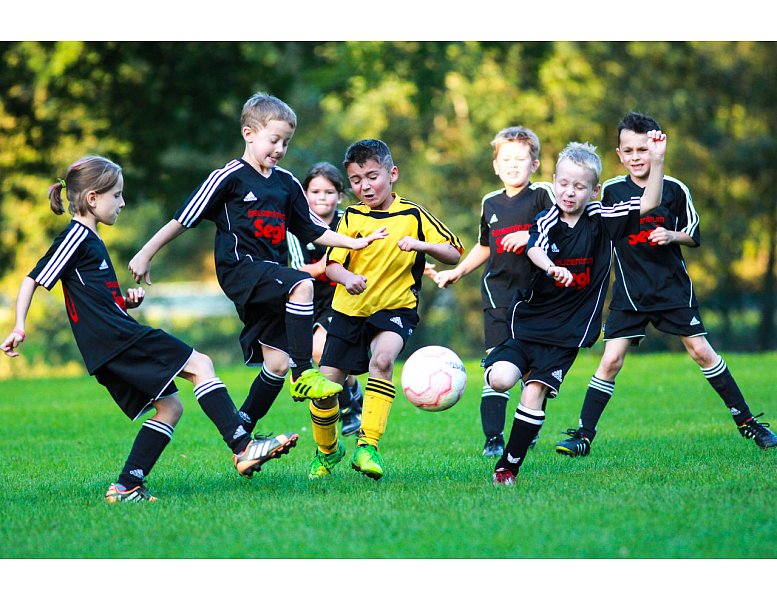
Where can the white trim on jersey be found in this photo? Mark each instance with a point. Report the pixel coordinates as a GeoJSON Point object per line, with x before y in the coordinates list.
{"type": "Point", "coordinates": [296, 258]}
{"type": "Point", "coordinates": [623, 279]}
{"type": "Point", "coordinates": [48, 275]}
{"type": "Point", "coordinates": [547, 186]}
{"type": "Point", "coordinates": [690, 210]}
{"type": "Point", "coordinates": [200, 200]}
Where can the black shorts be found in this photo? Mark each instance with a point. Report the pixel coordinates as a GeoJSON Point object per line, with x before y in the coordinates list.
{"type": "Point", "coordinates": [348, 338]}
{"type": "Point", "coordinates": [261, 306]}
{"type": "Point", "coordinates": [145, 371]}
{"type": "Point", "coordinates": [496, 327]}
{"type": "Point", "coordinates": [323, 317]}
{"type": "Point", "coordinates": [623, 324]}
{"type": "Point", "coordinates": [535, 361]}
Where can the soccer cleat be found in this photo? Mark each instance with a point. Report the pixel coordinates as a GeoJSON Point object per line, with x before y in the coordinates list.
{"type": "Point", "coordinates": [351, 420]}
{"type": "Point", "coordinates": [312, 385]}
{"type": "Point", "coordinates": [118, 493]}
{"type": "Point", "coordinates": [261, 449]}
{"type": "Point", "coordinates": [576, 445]}
{"type": "Point", "coordinates": [503, 476]}
{"type": "Point", "coordinates": [759, 432]}
{"type": "Point", "coordinates": [495, 446]}
{"type": "Point", "coordinates": [322, 464]}
{"type": "Point", "coordinates": [368, 461]}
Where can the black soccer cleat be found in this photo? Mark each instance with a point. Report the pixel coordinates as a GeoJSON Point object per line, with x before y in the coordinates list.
{"type": "Point", "coordinates": [494, 447]}
{"type": "Point", "coordinates": [758, 432]}
{"type": "Point", "coordinates": [576, 445]}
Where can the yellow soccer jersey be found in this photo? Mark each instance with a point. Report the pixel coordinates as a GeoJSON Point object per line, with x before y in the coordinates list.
{"type": "Point", "coordinates": [393, 276]}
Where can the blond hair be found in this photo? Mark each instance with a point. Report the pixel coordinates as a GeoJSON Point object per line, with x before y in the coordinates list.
{"type": "Point", "coordinates": [517, 134]}
{"type": "Point", "coordinates": [260, 109]}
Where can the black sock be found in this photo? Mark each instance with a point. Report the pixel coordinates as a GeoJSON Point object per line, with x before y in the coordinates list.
{"type": "Point", "coordinates": [216, 403]}
{"type": "Point", "coordinates": [597, 396]}
{"type": "Point", "coordinates": [526, 425]}
{"type": "Point", "coordinates": [149, 444]}
{"type": "Point", "coordinates": [264, 390]}
{"type": "Point", "coordinates": [723, 381]}
{"type": "Point", "coordinates": [299, 337]}
{"type": "Point", "coordinates": [493, 406]}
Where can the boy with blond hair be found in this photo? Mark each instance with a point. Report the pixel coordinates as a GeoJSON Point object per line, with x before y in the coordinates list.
{"type": "Point", "coordinates": [253, 202]}
{"type": "Point", "coordinates": [505, 218]}
{"type": "Point", "coordinates": [570, 246]}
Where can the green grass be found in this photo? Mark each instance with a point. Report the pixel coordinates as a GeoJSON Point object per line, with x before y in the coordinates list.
{"type": "Point", "coordinates": [668, 477]}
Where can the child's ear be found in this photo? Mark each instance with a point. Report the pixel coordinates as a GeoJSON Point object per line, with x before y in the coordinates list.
{"type": "Point", "coordinates": [248, 133]}
{"type": "Point", "coordinates": [393, 174]}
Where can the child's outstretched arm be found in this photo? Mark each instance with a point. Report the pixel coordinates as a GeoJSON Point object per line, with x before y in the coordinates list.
{"type": "Point", "coordinates": [445, 253]}
{"type": "Point", "coordinates": [540, 258]}
{"type": "Point", "coordinates": [140, 265]}
{"type": "Point", "coordinates": [339, 240]}
{"type": "Point", "coordinates": [23, 302]}
{"type": "Point", "coordinates": [476, 257]}
{"type": "Point", "coordinates": [651, 197]}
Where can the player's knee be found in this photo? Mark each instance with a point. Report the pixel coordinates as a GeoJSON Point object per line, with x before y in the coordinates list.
{"type": "Point", "coordinates": [501, 378]}
{"type": "Point", "coordinates": [382, 364]}
{"type": "Point", "coordinates": [610, 366]}
{"type": "Point", "coordinates": [169, 409]}
{"type": "Point", "coordinates": [201, 365]}
{"type": "Point", "coordinates": [302, 291]}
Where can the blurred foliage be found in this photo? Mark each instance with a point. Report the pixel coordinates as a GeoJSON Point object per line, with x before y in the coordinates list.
{"type": "Point", "coordinates": [168, 112]}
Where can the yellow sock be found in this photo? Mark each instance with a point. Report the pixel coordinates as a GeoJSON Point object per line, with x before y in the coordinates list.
{"type": "Point", "coordinates": [325, 426]}
{"type": "Point", "coordinates": [378, 396]}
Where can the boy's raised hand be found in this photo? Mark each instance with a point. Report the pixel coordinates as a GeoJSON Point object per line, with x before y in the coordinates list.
{"type": "Point", "coordinates": [656, 143]}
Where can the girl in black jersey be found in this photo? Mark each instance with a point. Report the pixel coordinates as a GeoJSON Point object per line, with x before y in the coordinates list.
{"type": "Point", "coordinates": [137, 364]}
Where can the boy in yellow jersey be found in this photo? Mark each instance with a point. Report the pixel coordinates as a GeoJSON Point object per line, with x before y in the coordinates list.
{"type": "Point", "coordinates": [375, 303]}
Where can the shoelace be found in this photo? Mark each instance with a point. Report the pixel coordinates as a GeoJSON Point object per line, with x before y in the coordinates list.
{"type": "Point", "coordinates": [756, 424]}
{"type": "Point", "coordinates": [573, 433]}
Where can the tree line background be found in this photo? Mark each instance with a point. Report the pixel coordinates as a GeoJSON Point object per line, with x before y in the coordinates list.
{"type": "Point", "coordinates": [168, 112]}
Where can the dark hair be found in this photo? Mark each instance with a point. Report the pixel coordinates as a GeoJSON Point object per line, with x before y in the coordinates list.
{"type": "Point", "coordinates": [637, 122]}
{"type": "Point", "coordinates": [91, 173]}
{"type": "Point", "coordinates": [361, 152]}
{"type": "Point", "coordinates": [329, 172]}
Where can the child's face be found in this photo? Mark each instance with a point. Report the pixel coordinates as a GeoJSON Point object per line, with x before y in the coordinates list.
{"type": "Point", "coordinates": [107, 206]}
{"type": "Point", "coordinates": [266, 146]}
{"type": "Point", "coordinates": [633, 153]}
{"type": "Point", "coordinates": [514, 165]}
{"type": "Point", "coordinates": [323, 196]}
{"type": "Point", "coordinates": [371, 183]}
{"type": "Point", "coordinates": [574, 187]}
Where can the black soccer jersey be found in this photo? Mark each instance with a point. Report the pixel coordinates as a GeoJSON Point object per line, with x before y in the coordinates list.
{"type": "Point", "coordinates": [309, 254]}
{"type": "Point", "coordinates": [93, 298]}
{"type": "Point", "coordinates": [649, 277]}
{"type": "Point", "coordinates": [501, 214]}
{"type": "Point", "coordinates": [252, 214]}
{"type": "Point", "coordinates": [552, 314]}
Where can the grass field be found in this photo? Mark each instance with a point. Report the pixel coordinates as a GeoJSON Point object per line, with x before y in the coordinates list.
{"type": "Point", "coordinates": [668, 477]}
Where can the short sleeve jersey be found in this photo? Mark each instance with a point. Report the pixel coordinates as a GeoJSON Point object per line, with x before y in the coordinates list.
{"type": "Point", "coordinates": [310, 253]}
{"type": "Point", "coordinates": [393, 275]}
{"type": "Point", "coordinates": [552, 314]}
{"type": "Point", "coordinates": [649, 277]}
{"type": "Point", "coordinates": [252, 213]}
{"type": "Point", "coordinates": [93, 299]}
{"type": "Point", "coordinates": [506, 272]}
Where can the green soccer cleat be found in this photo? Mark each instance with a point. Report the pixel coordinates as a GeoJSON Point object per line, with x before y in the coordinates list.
{"type": "Point", "coordinates": [368, 461]}
{"type": "Point", "coordinates": [261, 449]}
{"type": "Point", "coordinates": [312, 385]}
{"type": "Point", "coordinates": [322, 464]}
{"type": "Point", "coordinates": [118, 493]}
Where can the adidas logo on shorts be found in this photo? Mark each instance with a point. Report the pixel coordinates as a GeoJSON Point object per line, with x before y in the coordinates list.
{"type": "Point", "coordinates": [558, 374]}
{"type": "Point", "coordinates": [695, 321]}
{"type": "Point", "coordinates": [397, 321]}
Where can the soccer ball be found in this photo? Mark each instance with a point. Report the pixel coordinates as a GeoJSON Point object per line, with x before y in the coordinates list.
{"type": "Point", "coordinates": [434, 378]}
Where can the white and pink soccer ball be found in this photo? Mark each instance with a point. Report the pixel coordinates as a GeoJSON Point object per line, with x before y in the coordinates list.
{"type": "Point", "coordinates": [434, 378]}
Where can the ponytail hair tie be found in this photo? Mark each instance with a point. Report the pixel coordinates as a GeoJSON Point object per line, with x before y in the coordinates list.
{"type": "Point", "coordinates": [62, 183]}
